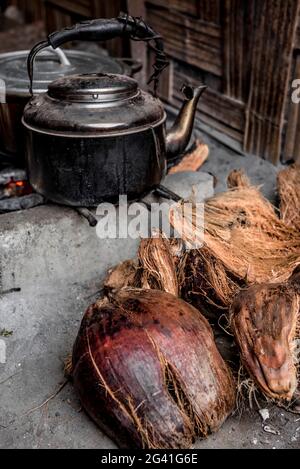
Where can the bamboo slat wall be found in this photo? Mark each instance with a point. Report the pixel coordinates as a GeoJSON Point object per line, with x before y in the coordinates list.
{"type": "Point", "coordinates": [33, 9]}
{"type": "Point", "coordinates": [244, 52]}
{"type": "Point", "coordinates": [275, 27]}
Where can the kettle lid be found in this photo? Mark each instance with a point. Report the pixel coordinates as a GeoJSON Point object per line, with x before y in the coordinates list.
{"type": "Point", "coordinates": [93, 88]}
{"type": "Point", "coordinates": [92, 105]}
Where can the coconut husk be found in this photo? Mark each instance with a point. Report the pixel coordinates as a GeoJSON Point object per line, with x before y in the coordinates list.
{"type": "Point", "coordinates": [205, 283]}
{"type": "Point", "coordinates": [121, 276]}
{"type": "Point", "coordinates": [288, 182]}
{"type": "Point", "coordinates": [243, 231]}
{"type": "Point", "coordinates": [177, 249]}
{"type": "Point", "coordinates": [193, 160]}
{"type": "Point", "coordinates": [295, 280]}
{"type": "Point", "coordinates": [243, 242]}
{"type": "Point", "coordinates": [157, 266]}
{"type": "Point", "coordinates": [237, 178]}
{"type": "Point", "coordinates": [265, 322]}
{"type": "Point", "coordinates": [148, 371]}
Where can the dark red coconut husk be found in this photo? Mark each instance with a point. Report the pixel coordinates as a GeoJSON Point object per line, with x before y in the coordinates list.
{"type": "Point", "coordinates": [265, 322]}
{"type": "Point", "coordinates": [148, 371]}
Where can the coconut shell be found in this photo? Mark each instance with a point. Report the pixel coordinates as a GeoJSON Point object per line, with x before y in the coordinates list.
{"type": "Point", "coordinates": [264, 321]}
{"type": "Point", "coordinates": [148, 371]}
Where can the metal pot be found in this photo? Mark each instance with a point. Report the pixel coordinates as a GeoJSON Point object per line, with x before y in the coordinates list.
{"type": "Point", "coordinates": [51, 64]}
{"type": "Point", "coordinates": [94, 136]}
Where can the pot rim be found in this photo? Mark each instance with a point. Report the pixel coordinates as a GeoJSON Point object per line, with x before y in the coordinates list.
{"type": "Point", "coordinates": [24, 92]}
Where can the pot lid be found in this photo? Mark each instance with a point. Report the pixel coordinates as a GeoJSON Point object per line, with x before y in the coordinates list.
{"type": "Point", "coordinates": [93, 88]}
{"type": "Point", "coordinates": [93, 105]}
{"type": "Point", "coordinates": [50, 66]}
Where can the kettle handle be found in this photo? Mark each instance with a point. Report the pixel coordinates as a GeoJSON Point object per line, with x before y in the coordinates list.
{"type": "Point", "coordinates": [102, 30]}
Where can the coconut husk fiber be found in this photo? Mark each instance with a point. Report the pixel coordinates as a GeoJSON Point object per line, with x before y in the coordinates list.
{"type": "Point", "coordinates": [244, 242]}
{"type": "Point", "coordinates": [193, 159]}
{"type": "Point", "coordinates": [265, 322]}
{"type": "Point", "coordinates": [154, 268]}
{"type": "Point", "coordinates": [206, 283]}
{"type": "Point", "coordinates": [288, 183]}
{"type": "Point", "coordinates": [237, 178]}
{"type": "Point", "coordinates": [121, 276]}
{"type": "Point", "coordinates": [148, 372]}
{"type": "Point", "coordinates": [157, 265]}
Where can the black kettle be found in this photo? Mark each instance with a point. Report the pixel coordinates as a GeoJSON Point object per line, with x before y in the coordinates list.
{"type": "Point", "coordinates": [92, 137]}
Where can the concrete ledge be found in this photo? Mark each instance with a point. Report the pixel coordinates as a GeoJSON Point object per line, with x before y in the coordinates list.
{"type": "Point", "coordinates": [54, 244]}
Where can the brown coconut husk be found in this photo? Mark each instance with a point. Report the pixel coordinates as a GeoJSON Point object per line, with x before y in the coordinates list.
{"type": "Point", "coordinates": [148, 371]}
{"type": "Point", "coordinates": [295, 280]}
{"type": "Point", "coordinates": [193, 159]}
{"type": "Point", "coordinates": [177, 249]}
{"type": "Point", "coordinates": [206, 283]}
{"type": "Point", "coordinates": [157, 265]}
{"type": "Point", "coordinates": [265, 322]}
{"type": "Point", "coordinates": [121, 276]}
{"type": "Point", "coordinates": [288, 183]}
{"type": "Point", "coordinates": [242, 228]}
{"type": "Point", "coordinates": [237, 178]}
{"type": "Point", "coordinates": [244, 239]}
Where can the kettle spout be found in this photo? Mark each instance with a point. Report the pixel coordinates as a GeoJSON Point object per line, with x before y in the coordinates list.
{"type": "Point", "coordinates": [179, 135]}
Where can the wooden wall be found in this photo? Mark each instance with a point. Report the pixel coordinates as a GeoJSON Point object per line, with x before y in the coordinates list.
{"type": "Point", "coordinates": [244, 51]}
{"type": "Point", "coordinates": [33, 9]}
{"type": "Point", "coordinates": [58, 14]}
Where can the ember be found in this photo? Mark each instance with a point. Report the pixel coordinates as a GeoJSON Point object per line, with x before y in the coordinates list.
{"type": "Point", "coordinates": [16, 192]}
{"type": "Point", "coordinates": [17, 188]}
